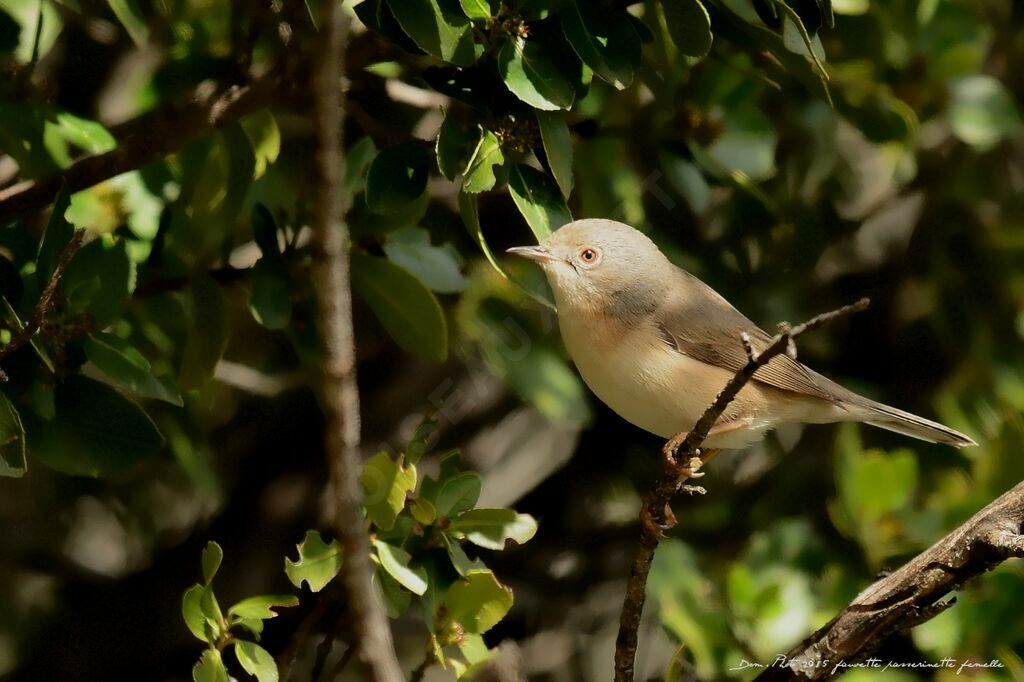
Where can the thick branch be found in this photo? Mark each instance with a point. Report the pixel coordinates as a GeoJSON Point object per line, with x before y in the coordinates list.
{"type": "Point", "coordinates": [684, 451]}
{"type": "Point", "coordinates": [141, 141]}
{"type": "Point", "coordinates": [35, 320]}
{"type": "Point", "coordinates": [334, 321]}
{"type": "Point", "coordinates": [911, 595]}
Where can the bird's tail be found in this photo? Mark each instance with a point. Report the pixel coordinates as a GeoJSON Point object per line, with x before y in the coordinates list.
{"type": "Point", "coordinates": [892, 419]}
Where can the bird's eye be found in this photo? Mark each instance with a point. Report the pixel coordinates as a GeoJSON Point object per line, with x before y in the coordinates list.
{"type": "Point", "coordinates": [588, 255]}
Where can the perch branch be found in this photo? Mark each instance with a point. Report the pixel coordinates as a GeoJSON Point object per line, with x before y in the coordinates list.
{"type": "Point", "coordinates": [340, 396]}
{"type": "Point", "coordinates": [141, 141]}
{"type": "Point", "coordinates": [910, 595]}
{"type": "Point", "coordinates": [683, 450]}
{"type": "Point", "coordinates": [42, 306]}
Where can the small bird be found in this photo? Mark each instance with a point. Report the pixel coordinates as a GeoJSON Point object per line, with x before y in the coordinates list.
{"type": "Point", "coordinates": [656, 345]}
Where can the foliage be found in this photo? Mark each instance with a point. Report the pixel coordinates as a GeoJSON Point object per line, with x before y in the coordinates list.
{"type": "Point", "coordinates": [794, 155]}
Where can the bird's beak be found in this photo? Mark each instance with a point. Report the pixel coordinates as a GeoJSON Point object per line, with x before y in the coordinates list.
{"type": "Point", "coordinates": [534, 253]}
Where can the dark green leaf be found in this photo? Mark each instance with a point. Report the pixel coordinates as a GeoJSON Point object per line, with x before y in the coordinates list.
{"type": "Point", "coordinates": [407, 310]}
{"type": "Point", "coordinates": [455, 145]}
{"type": "Point", "coordinates": [270, 301]}
{"type": "Point", "coordinates": [99, 280]}
{"type": "Point", "coordinates": [207, 335]}
{"type": "Point", "coordinates": [458, 494]}
{"type": "Point", "coordinates": [256, 661]}
{"type": "Point", "coordinates": [357, 160]}
{"type": "Point", "coordinates": [385, 485]}
{"type": "Point", "coordinates": [533, 75]}
{"type": "Point", "coordinates": [689, 26]}
{"type": "Point", "coordinates": [395, 561]}
{"type": "Point", "coordinates": [436, 266]}
{"type": "Point", "coordinates": [479, 175]}
{"type": "Point", "coordinates": [318, 563]}
{"type": "Point", "coordinates": [9, 32]}
{"type": "Point", "coordinates": [557, 147]}
{"type": "Point", "coordinates": [210, 668]}
{"type": "Point", "coordinates": [212, 556]}
{"type": "Point", "coordinates": [12, 441]}
{"type": "Point", "coordinates": [490, 528]}
{"type": "Point", "coordinates": [264, 231]}
{"type": "Point", "coordinates": [395, 598]}
{"type": "Point", "coordinates": [378, 17]}
{"type": "Point", "coordinates": [57, 235]}
{"type": "Point", "coordinates": [397, 177]}
{"type": "Point", "coordinates": [478, 601]}
{"type": "Point", "coordinates": [604, 39]}
{"type": "Point", "coordinates": [439, 27]}
{"type": "Point", "coordinates": [123, 365]}
{"type": "Point", "coordinates": [95, 431]}
{"type": "Point", "coordinates": [537, 197]}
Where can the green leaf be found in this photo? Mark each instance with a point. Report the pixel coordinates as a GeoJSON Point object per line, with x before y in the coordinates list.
{"type": "Point", "coordinates": [689, 26]}
{"type": "Point", "coordinates": [476, 9]}
{"type": "Point", "coordinates": [460, 561]}
{"type": "Point", "coordinates": [265, 138]}
{"type": "Point", "coordinates": [436, 266]}
{"type": "Point", "coordinates": [207, 335]}
{"type": "Point", "coordinates": [357, 160]}
{"type": "Point", "coordinates": [554, 134]}
{"type": "Point", "coordinates": [604, 38]}
{"type": "Point", "coordinates": [124, 366]}
{"type": "Point", "coordinates": [318, 562]}
{"type": "Point", "coordinates": [261, 606]}
{"type": "Point", "coordinates": [395, 561]}
{"type": "Point", "coordinates": [12, 441]}
{"type": "Point", "coordinates": [478, 601]}
{"type": "Point", "coordinates": [95, 431]}
{"type": "Point", "coordinates": [422, 439]}
{"type": "Point", "coordinates": [405, 307]}
{"type": "Point", "coordinates": [256, 661]}
{"type": "Point", "coordinates": [458, 494]}
{"type": "Point", "coordinates": [192, 610]}
{"type": "Point", "coordinates": [99, 280]}
{"type": "Point", "coordinates": [385, 484]}
{"type": "Point", "coordinates": [128, 14]}
{"type": "Point", "coordinates": [395, 598]}
{"type": "Point", "coordinates": [439, 27]}
{"type": "Point", "coordinates": [455, 144]}
{"type": "Point", "coordinates": [423, 511]}
{"type": "Point", "coordinates": [57, 235]}
{"type": "Point", "coordinates": [212, 556]}
{"type": "Point", "coordinates": [264, 231]}
{"type": "Point", "coordinates": [982, 111]}
{"type": "Point", "coordinates": [270, 300]}
{"type": "Point", "coordinates": [538, 199]}
{"type": "Point", "coordinates": [397, 177]}
{"type": "Point", "coordinates": [479, 175]}
{"type": "Point", "coordinates": [533, 75]}
{"type": "Point", "coordinates": [210, 668]}
{"type": "Point", "coordinates": [490, 528]}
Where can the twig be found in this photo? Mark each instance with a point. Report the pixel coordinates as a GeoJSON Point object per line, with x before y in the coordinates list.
{"type": "Point", "coordinates": [910, 595]}
{"type": "Point", "coordinates": [141, 141]}
{"type": "Point", "coordinates": [330, 272]}
{"type": "Point", "coordinates": [684, 450]}
{"type": "Point", "coordinates": [42, 306]}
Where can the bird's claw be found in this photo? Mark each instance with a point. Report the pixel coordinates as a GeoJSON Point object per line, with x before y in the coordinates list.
{"type": "Point", "coordinates": [653, 527]}
{"type": "Point", "coordinates": [693, 489]}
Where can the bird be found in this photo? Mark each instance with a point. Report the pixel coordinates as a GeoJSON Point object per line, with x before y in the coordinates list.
{"type": "Point", "coordinates": [656, 344]}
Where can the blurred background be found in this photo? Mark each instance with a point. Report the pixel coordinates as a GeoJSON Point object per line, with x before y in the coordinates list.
{"type": "Point", "coordinates": [907, 188]}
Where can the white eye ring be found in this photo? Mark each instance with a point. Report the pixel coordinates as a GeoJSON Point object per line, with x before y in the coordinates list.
{"type": "Point", "coordinates": [589, 255]}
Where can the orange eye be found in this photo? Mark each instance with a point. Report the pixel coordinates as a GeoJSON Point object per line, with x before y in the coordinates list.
{"type": "Point", "coordinates": [588, 255]}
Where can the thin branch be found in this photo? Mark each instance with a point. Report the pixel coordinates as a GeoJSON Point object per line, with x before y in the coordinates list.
{"type": "Point", "coordinates": [330, 274]}
{"type": "Point", "coordinates": [141, 141]}
{"type": "Point", "coordinates": [683, 451]}
{"type": "Point", "coordinates": [912, 594]}
{"type": "Point", "coordinates": [42, 306]}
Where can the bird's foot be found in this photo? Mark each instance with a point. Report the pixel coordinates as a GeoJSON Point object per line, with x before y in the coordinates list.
{"type": "Point", "coordinates": [692, 489]}
{"type": "Point", "coordinates": [653, 527]}
{"type": "Point", "coordinates": [668, 451]}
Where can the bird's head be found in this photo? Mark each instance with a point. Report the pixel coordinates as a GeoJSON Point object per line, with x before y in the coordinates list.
{"type": "Point", "coordinates": [600, 266]}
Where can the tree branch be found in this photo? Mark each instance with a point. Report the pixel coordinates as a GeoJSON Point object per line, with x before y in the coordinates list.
{"type": "Point", "coordinates": [42, 306]}
{"type": "Point", "coordinates": [141, 141]}
{"type": "Point", "coordinates": [683, 451]}
{"type": "Point", "coordinates": [910, 595]}
{"type": "Point", "coordinates": [330, 273]}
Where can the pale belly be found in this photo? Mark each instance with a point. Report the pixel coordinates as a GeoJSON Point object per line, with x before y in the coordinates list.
{"type": "Point", "coordinates": [656, 388]}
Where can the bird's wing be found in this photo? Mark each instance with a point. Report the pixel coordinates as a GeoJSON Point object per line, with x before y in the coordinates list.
{"type": "Point", "coordinates": [706, 327]}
